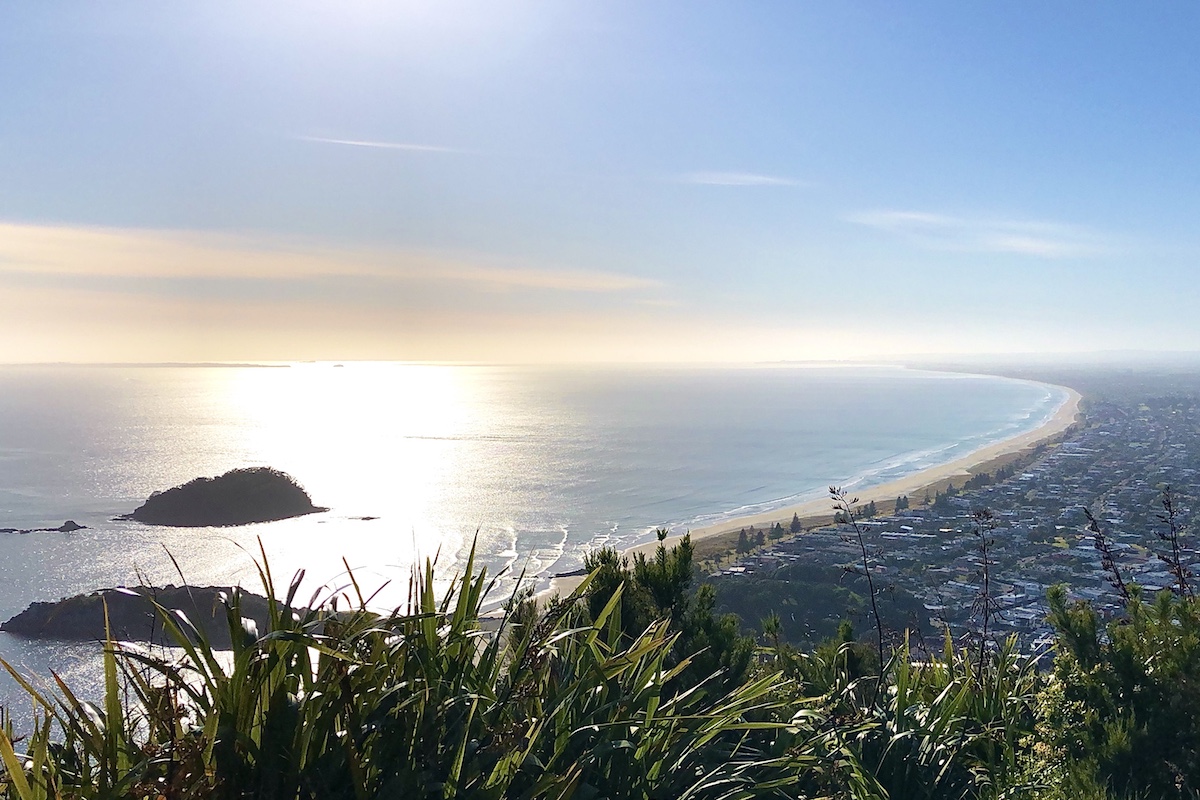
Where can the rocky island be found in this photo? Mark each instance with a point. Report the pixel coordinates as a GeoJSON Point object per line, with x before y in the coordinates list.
{"type": "Point", "coordinates": [133, 616]}
{"type": "Point", "coordinates": [239, 497]}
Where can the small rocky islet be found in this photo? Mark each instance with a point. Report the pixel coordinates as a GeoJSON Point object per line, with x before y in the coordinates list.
{"type": "Point", "coordinates": [238, 497]}
{"type": "Point", "coordinates": [70, 526]}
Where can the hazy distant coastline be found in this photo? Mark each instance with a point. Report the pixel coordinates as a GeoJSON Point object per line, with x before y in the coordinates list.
{"type": "Point", "coordinates": [152, 364]}
{"type": "Point", "coordinates": [915, 484]}
{"type": "Point", "coordinates": [819, 511]}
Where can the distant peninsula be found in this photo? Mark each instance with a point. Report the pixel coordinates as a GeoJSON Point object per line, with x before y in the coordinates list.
{"type": "Point", "coordinates": [239, 497]}
{"type": "Point", "coordinates": [133, 616]}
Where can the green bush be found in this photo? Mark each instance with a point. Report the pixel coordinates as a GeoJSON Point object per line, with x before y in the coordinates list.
{"type": "Point", "coordinates": [659, 588]}
{"type": "Point", "coordinates": [1122, 711]}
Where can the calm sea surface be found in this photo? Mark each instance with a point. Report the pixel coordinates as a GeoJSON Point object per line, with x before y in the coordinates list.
{"type": "Point", "coordinates": [537, 464]}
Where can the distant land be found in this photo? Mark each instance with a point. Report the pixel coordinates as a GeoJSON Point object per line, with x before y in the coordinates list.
{"type": "Point", "coordinates": [152, 365]}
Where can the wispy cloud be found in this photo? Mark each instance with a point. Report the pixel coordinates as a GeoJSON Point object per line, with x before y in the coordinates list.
{"type": "Point", "coordinates": [736, 179]}
{"type": "Point", "coordinates": [659, 302]}
{"type": "Point", "coordinates": [408, 146]}
{"type": "Point", "coordinates": [1024, 237]}
{"type": "Point", "coordinates": [558, 280]}
{"type": "Point", "coordinates": [106, 253]}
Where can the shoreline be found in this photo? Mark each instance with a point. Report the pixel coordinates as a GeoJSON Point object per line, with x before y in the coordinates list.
{"type": "Point", "coordinates": [819, 511]}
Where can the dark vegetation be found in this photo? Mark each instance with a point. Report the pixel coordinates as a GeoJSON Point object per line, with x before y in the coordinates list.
{"type": "Point", "coordinates": [812, 600]}
{"type": "Point", "coordinates": [709, 646]}
{"type": "Point", "coordinates": [239, 497]}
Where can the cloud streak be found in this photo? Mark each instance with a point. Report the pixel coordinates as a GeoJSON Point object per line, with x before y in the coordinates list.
{"type": "Point", "coordinates": [406, 146]}
{"type": "Point", "coordinates": [1046, 240]}
{"type": "Point", "coordinates": [735, 179]}
{"type": "Point", "coordinates": [97, 254]}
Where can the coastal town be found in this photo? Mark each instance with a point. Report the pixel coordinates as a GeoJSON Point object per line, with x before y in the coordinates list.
{"type": "Point", "coordinates": [1128, 452]}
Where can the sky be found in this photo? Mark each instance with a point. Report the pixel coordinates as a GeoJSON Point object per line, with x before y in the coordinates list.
{"type": "Point", "coordinates": [576, 181]}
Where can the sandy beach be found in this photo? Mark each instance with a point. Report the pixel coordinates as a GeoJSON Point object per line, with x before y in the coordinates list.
{"type": "Point", "coordinates": [819, 511]}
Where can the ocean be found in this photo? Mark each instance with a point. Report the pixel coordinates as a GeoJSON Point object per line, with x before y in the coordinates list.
{"type": "Point", "coordinates": [533, 465]}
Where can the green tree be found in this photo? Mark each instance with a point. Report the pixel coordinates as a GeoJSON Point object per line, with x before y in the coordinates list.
{"type": "Point", "coordinates": [659, 588]}
{"type": "Point", "coordinates": [1123, 707]}
{"type": "Point", "coordinates": [743, 543]}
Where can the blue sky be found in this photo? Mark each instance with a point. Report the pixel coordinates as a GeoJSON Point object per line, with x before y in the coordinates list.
{"type": "Point", "coordinates": [596, 181]}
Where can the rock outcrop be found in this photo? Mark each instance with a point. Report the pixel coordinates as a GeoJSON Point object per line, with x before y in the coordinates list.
{"type": "Point", "coordinates": [132, 614]}
{"type": "Point", "coordinates": [67, 527]}
{"type": "Point", "coordinates": [239, 497]}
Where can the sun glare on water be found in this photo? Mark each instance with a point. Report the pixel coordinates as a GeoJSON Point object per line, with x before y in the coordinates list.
{"type": "Point", "coordinates": [379, 440]}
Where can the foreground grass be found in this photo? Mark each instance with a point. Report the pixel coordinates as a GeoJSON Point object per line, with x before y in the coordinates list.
{"type": "Point", "coordinates": [334, 703]}
{"type": "Point", "coordinates": [578, 699]}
